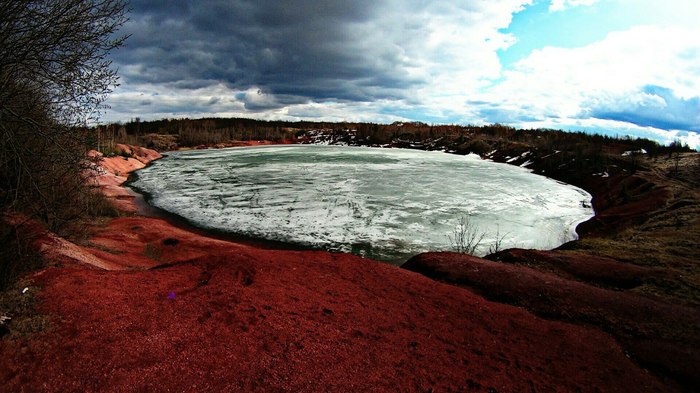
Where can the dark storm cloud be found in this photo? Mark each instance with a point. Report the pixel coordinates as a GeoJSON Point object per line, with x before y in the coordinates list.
{"type": "Point", "coordinates": [300, 50]}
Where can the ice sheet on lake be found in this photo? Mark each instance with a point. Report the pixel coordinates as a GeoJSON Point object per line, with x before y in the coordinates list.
{"type": "Point", "coordinates": [384, 203]}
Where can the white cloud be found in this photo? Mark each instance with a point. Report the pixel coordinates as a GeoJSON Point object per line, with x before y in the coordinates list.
{"type": "Point", "coordinates": [559, 5]}
{"type": "Point", "coordinates": [454, 50]}
{"type": "Point", "coordinates": [560, 82]}
{"type": "Point", "coordinates": [159, 102]}
{"type": "Point", "coordinates": [645, 81]}
{"type": "Point", "coordinates": [616, 129]}
{"type": "Point", "coordinates": [661, 13]}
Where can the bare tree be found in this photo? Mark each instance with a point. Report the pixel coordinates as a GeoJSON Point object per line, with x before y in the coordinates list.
{"type": "Point", "coordinates": [54, 78]}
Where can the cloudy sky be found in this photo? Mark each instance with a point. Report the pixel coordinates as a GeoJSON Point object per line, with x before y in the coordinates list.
{"type": "Point", "coordinates": [618, 67]}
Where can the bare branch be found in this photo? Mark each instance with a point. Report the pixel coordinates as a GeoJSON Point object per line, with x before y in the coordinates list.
{"type": "Point", "coordinates": [54, 77]}
{"type": "Point", "coordinates": [467, 236]}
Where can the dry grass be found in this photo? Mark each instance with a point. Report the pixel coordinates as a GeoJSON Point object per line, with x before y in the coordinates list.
{"type": "Point", "coordinates": [668, 239]}
{"type": "Point", "coordinates": [18, 302]}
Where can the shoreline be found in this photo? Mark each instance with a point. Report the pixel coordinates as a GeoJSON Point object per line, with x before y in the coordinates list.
{"type": "Point", "coordinates": [147, 209]}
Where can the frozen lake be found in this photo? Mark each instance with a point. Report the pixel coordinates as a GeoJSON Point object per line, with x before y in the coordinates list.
{"type": "Point", "coordinates": [388, 204]}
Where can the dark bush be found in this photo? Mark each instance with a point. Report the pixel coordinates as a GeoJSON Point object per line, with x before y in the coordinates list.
{"type": "Point", "coordinates": [479, 146]}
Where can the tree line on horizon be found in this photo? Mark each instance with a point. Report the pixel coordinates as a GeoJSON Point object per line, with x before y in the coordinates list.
{"type": "Point", "coordinates": [211, 131]}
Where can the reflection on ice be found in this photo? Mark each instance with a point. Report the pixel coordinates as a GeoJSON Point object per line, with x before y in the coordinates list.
{"type": "Point", "coordinates": [384, 203]}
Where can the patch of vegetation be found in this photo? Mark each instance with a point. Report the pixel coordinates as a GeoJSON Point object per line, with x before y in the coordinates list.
{"type": "Point", "coordinates": [16, 254]}
{"type": "Point", "coordinates": [498, 243]}
{"type": "Point", "coordinates": [680, 281]}
{"type": "Point", "coordinates": [54, 74]}
{"type": "Point", "coordinates": [478, 146]}
{"type": "Point", "coordinates": [467, 237]}
{"type": "Point", "coordinates": [18, 306]}
{"type": "Point", "coordinates": [588, 149]}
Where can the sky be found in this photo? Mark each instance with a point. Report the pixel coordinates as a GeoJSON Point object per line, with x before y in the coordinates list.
{"type": "Point", "coordinates": [614, 67]}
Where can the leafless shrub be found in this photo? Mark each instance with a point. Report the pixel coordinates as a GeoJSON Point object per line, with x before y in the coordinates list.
{"type": "Point", "coordinates": [497, 244]}
{"type": "Point", "coordinates": [467, 236]}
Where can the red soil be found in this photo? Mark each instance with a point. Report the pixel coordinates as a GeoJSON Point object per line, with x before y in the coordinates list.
{"type": "Point", "coordinates": [600, 271]}
{"type": "Point", "coordinates": [658, 334]}
{"type": "Point", "coordinates": [248, 319]}
{"type": "Point", "coordinates": [114, 172]}
{"type": "Point", "coordinates": [619, 202]}
{"type": "Point", "coordinates": [148, 306]}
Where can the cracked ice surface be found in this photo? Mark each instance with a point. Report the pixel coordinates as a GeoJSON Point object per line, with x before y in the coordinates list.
{"type": "Point", "coordinates": [388, 204]}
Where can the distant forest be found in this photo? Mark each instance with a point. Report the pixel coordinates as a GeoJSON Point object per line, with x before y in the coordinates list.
{"type": "Point", "coordinates": [168, 134]}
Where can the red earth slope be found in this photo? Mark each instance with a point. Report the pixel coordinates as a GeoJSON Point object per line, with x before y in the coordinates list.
{"type": "Point", "coordinates": [249, 319]}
